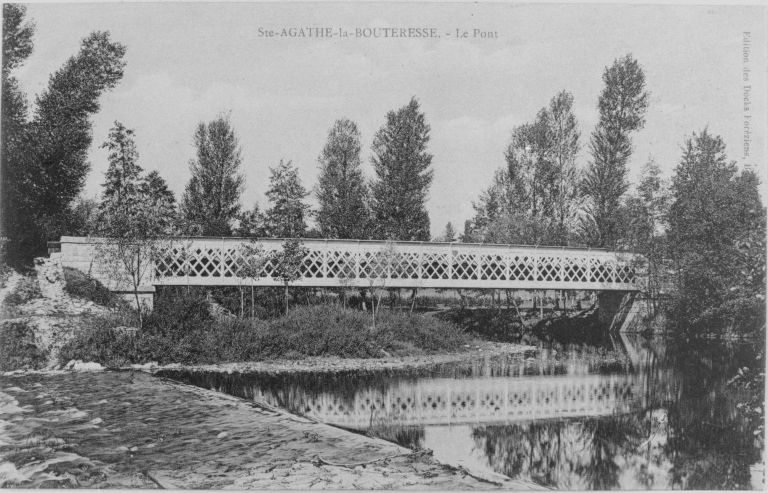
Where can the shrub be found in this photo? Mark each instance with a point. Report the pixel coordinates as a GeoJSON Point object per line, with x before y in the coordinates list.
{"type": "Point", "coordinates": [81, 285]}
{"type": "Point", "coordinates": [182, 330]}
{"type": "Point", "coordinates": [18, 349]}
{"type": "Point", "coordinates": [27, 290]}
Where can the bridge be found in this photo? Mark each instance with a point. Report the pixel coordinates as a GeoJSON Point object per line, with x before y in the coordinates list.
{"type": "Point", "coordinates": [403, 264]}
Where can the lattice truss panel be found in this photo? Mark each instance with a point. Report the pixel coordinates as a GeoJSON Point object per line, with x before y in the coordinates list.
{"type": "Point", "coordinates": [464, 401]}
{"type": "Point", "coordinates": [198, 259]}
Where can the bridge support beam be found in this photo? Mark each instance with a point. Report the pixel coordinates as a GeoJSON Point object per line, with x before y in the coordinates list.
{"type": "Point", "coordinates": [618, 310]}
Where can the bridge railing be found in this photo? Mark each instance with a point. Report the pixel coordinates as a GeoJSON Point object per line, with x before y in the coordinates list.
{"type": "Point", "coordinates": [333, 263]}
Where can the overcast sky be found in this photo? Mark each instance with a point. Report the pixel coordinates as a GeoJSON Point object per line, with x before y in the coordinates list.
{"type": "Point", "coordinates": [187, 63]}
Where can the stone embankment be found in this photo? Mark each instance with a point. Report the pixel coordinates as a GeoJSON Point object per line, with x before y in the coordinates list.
{"type": "Point", "coordinates": [54, 315]}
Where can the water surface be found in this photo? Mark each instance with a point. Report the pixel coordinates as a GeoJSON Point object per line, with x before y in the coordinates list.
{"type": "Point", "coordinates": [627, 413]}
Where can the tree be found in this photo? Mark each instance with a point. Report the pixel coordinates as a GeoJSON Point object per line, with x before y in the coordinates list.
{"type": "Point", "coordinates": [287, 216]}
{"type": "Point", "coordinates": [449, 236]}
{"type": "Point", "coordinates": [251, 223]}
{"type": "Point", "coordinates": [645, 225]}
{"type": "Point", "coordinates": [253, 259]}
{"type": "Point", "coordinates": [154, 189]}
{"type": "Point", "coordinates": [134, 216]}
{"type": "Point", "coordinates": [123, 173]}
{"type": "Point", "coordinates": [536, 192]}
{"type": "Point", "coordinates": [133, 242]}
{"type": "Point", "coordinates": [288, 264]}
{"type": "Point", "coordinates": [211, 200]}
{"type": "Point", "coordinates": [715, 213]}
{"type": "Point", "coordinates": [45, 160]}
{"type": "Point", "coordinates": [17, 47]}
{"type": "Point", "coordinates": [381, 267]}
{"type": "Point", "coordinates": [622, 105]}
{"type": "Point", "coordinates": [341, 191]}
{"type": "Point", "coordinates": [403, 176]}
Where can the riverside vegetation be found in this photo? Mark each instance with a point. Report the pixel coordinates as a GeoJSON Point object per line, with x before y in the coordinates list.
{"type": "Point", "coordinates": [182, 329]}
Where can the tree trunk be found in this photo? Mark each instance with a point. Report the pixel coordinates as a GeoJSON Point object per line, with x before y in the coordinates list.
{"type": "Point", "coordinates": [286, 299]}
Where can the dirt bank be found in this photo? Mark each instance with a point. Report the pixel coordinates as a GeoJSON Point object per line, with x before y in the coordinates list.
{"type": "Point", "coordinates": [134, 430]}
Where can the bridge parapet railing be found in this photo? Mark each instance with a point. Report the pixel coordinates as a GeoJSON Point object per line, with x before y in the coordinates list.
{"type": "Point", "coordinates": [221, 261]}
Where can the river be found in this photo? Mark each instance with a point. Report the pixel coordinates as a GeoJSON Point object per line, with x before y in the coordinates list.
{"type": "Point", "coordinates": [622, 413]}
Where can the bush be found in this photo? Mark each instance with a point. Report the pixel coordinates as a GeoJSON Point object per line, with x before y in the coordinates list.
{"type": "Point", "coordinates": [182, 330]}
{"type": "Point", "coordinates": [81, 285]}
{"type": "Point", "coordinates": [27, 290]}
{"type": "Point", "coordinates": [18, 349]}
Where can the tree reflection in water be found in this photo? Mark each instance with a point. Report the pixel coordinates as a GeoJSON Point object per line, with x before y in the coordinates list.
{"type": "Point", "coordinates": [630, 414]}
{"type": "Point", "coordinates": [691, 436]}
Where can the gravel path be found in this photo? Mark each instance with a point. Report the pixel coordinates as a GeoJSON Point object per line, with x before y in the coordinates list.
{"type": "Point", "coordinates": [133, 430]}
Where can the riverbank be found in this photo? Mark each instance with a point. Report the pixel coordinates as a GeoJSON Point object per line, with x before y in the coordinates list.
{"type": "Point", "coordinates": [134, 430]}
{"type": "Point", "coordinates": [478, 349]}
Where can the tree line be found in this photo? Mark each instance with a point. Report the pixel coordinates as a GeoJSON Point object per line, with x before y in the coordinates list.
{"type": "Point", "coordinates": [703, 232]}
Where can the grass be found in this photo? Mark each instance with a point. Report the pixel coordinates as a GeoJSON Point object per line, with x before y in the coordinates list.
{"type": "Point", "coordinates": [181, 329]}
{"type": "Point", "coordinates": [18, 349]}
{"type": "Point", "coordinates": [27, 290]}
{"type": "Point", "coordinates": [81, 285]}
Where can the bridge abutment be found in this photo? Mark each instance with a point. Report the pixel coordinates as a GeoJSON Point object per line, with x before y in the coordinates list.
{"type": "Point", "coordinates": [620, 311]}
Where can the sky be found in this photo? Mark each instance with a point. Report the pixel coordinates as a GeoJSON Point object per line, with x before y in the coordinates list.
{"type": "Point", "coordinates": [190, 62]}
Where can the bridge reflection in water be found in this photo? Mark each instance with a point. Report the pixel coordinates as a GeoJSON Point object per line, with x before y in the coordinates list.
{"type": "Point", "coordinates": [445, 401]}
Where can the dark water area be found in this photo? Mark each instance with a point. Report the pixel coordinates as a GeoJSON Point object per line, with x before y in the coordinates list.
{"type": "Point", "coordinates": [626, 413]}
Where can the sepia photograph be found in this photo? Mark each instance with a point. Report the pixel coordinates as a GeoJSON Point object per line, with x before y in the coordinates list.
{"type": "Point", "coordinates": [381, 245]}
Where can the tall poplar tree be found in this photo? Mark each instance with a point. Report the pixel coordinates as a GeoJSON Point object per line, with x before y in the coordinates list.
{"type": "Point", "coordinates": [287, 216]}
{"type": "Point", "coordinates": [403, 176]}
{"type": "Point", "coordinates": [44, 161]}
{"type": "Point", "coordinates": [211, 200]}
{"type": "Point", "coordinates": [534, 199]}
{"type": "Point", "coordinates": [341, 191]}
{"type": "Point", "coordinates": [622, 104]}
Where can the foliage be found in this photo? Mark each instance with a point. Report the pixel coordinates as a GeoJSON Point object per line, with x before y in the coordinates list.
{"type": "Point", "coordinates": [81, 285]}
{"type": "Point", "coordinates": [403, 176]}
{"type": "Point", "coordinates": [154, 189]}
{"type": "Point", "coordinates": [752, 381]}
{"type": "Point", "coordinates": [123, 172]}
{"type": "Point", "coordinates": [17, 47]}
{"type": "Point", "coordinates": [250, 269]}
{"type": "Point", "coordinates": [26, 290]}
{"type": "Point", "coordinates": [45, 159]}
{"type": "Point", "coordinates": [622, 105]}
{"type": "Point", "coordinates": [534, 199]}
{"type": "Point", "coordinates": [341, 190]}
{"type": "Point", "coordinates": [716, 240]}
{"type": "Point", "coordinates": [18, 348]}
{"type": "Point", "coordinates": [288, 263]}
{"type": "Point", "coordinates": [135, 215]}
{"type": "Point", "coordinates": [251, 223]}
{"type": "Point", "coordinates": [82, 218]}
{"type": "Point", "coordinates": [287, 216]}
{"type": "Point", "coordinates": [182, 330]}
{"type": "Point", "coordinates": [449, 236]}
{"type": "Point", "coordinates": [211, 200]}
{"type": "Point", "coordinates": [645, 224]}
